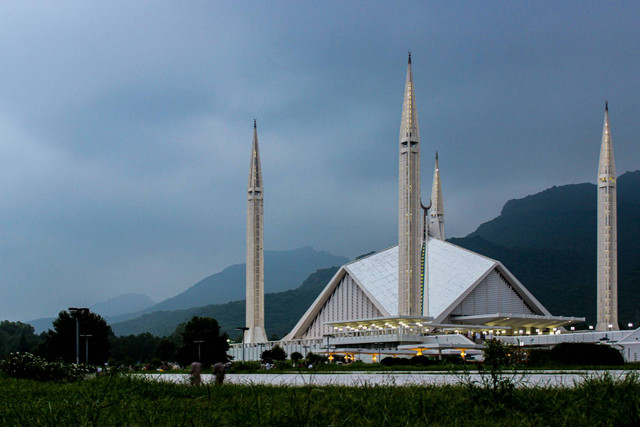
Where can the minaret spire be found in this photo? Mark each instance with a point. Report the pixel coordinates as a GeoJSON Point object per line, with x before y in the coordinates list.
{"type": "Point", "coordinates": [255, 250]}
{"type": "Point", "coordinates": [436, 217]}
{"type": "Point", "coordinates": [409, 209]}
{"type": "Point", "coordinates": [607, 233]}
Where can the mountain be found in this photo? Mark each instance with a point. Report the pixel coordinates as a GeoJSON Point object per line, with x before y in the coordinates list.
{"type": "Point", "coordinates": [548, 240]}
{"type": "Point", "coordinates": [41, 325]}
{"type": "Point", "coordinates": [282, 311]}
{"type": "Point", "coordinates": [283, 270]}
{"type": "Point", "coordinates": [116, 306]}
{"type": "Point", "coordinates": [122, 304]}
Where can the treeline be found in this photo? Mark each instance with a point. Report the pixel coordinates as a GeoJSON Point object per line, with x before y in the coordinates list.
{"type": "Point", "coordinates": [199, 339]}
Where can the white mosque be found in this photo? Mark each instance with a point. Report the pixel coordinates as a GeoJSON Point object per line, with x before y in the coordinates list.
{"type": "Point", "coordinates": [426, 295]}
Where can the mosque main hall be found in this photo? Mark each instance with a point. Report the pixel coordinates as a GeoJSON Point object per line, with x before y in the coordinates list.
{"type": "Point", "coordinates": [423, 296]}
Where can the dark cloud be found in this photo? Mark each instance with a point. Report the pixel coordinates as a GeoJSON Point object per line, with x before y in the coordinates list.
{"type": "Point", "coordinates": [125, 128]}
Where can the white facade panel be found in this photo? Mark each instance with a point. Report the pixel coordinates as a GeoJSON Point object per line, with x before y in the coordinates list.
{"type": "Point", "coordinates": [347, 301]}
{"type": "Point", "coordinates": [493, 294]}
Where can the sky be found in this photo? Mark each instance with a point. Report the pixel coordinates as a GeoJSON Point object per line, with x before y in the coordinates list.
{"type": "Point", "coordinates": [126, 127]}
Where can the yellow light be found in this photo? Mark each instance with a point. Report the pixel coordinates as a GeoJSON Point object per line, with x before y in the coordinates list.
{"type": "Point", "coordinates": [419, 352]}
{"type": "Point", "coordinates": [374, 358]}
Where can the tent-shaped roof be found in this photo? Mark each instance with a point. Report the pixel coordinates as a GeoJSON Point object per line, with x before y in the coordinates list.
{"type": "Point", "coordinates": [453, 272]}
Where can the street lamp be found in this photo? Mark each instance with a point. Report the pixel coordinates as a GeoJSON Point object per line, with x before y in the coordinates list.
{"type": "Point", "coordinates": [306, 350]}
{"type": "Point", "coordinates": [198, 342]}
{"type": "Point", "coordinates": [75, 311]}
{"type": "Point", "coordinates": [86, 347]}
{"type": "Point", "coordinates": [328, 336]}
{"type": "Point", "coordinates": [243, 329]}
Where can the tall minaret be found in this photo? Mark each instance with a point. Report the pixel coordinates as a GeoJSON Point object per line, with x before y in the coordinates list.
{"type": "Point", "coordinates": [255, 251]}
{"type": "Point", "coordinates": [409, 210]}
{"type": "Point", "coordinates": [607, 234]}
{"type": "Point", "coordinates": [436, 216]}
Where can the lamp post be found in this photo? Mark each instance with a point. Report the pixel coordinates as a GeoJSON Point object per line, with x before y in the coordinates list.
{"type": "Point", "coordinates": [243, 329]}
{"type": "Point", "coordinates": [198, 342]}
{"type": "Point", "coordinates": [86, 347]}
{"type": "Point", "coordinates": [329, 336]}
{"type": "Point", "coordinates": [75, 311]}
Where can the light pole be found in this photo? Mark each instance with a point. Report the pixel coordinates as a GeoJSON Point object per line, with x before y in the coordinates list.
{"type": "Point", "coordinates": [243, 329]}
{"type": "Point", "coordinates": [75, 311]}
{"type": "Point", "coordinates": [329, 336]}
{"type": "Point", "coordinates": [199, 342]}
{"type": "Point", "coordinates": [86, 349]}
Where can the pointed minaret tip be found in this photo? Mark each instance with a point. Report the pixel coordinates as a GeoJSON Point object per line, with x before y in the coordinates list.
{"type": "Point", "coordinates": [436, 156]}
{"type": "Point", "coordinates": [606, 105]}
{"type": "Point", "coordinates": [254, 123]}
{"type": "Point", "coordinates": [409, 57]}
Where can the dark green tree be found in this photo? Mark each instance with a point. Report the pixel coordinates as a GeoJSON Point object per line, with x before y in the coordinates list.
{"type": "Point", "coordinates": [165, 350]}
{"type": "Point", "coordinates": [133, 349]}
{"type": "Point", "coordinates": [296, 357]}
{"type": "Point", "coordinates": [17, 337]}
{"type": "Point", "coordinates": [266, 357]}
{"type": "Point", "coordinates": [278, 353]}
{"type": "Point", "coordinates": [203, 332]}
{"type": "Point", "coordinates": [60, 342]}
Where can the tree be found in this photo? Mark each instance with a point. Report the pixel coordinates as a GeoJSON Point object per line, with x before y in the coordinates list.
{"type": "Point", "coordinates": [296, 357]}
{"type": "Point", "coordinates": [60, 342]}
{"type": "Point", "coordinates": [133, 349]}
{"type": "Point", "coordinates": [16, 337]}
{"type": "Point", "coordinates": [165, 350]}
{"type": "Point", "coordinates": [278, 353]}
{"type": "Point", "coordinates": [203, 333]}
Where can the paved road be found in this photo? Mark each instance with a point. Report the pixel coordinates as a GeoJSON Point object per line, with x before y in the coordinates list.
{"type": "Point", "coordinates": [529, 379]}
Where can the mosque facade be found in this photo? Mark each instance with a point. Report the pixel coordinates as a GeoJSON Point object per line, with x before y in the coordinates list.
{"type": "Point", "coordinates": [427, 295]}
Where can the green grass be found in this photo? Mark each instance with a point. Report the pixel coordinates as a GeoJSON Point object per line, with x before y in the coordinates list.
{"type": "Point", "coordinates": [126, 400]}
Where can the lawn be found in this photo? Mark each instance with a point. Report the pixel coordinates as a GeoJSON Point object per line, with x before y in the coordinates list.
{"type": "Point", "coordinates": [126, 400]}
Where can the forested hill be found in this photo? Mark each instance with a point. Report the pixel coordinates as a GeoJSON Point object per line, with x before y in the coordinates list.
{"type": "Point", "coordinates": [283, 270]}
{"type": "Point", "coordinates": [548, 240]}
{"type": "Point", "coordinates": [282, 311]}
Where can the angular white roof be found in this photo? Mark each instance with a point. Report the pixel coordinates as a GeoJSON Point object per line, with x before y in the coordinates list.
{"type": "Point", "coordinates": [451, 270]}
{"type": "Point", "coordinates": [453, 273]}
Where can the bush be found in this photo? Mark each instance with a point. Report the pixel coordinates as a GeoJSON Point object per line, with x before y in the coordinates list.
{"type": "Point", "coordinates": [28, 366]}
{"type": "Point", "coordinates": [585, 354]}
{"type": "Point", "coordinates": [422, 361]}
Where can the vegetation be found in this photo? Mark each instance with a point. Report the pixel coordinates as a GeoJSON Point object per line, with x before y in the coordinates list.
{"type": "Point", "coordinates": [276, 354]}
{"type": "Point", "coordinates": [17, 337]}
{"type": "Point", "coordinates": [203, 342]}
{"type": "Point", "coordinates": [571, 354]}
{"type": "Point", "coordinates": [26, 365]}
{"type": "Point", "coordinates": [60, 343]}
{"type": "Point", "coordinates": [133, 401]}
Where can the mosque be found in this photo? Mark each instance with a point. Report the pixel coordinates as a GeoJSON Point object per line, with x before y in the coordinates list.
{"type": "Point", "coordinates": [426, 295]}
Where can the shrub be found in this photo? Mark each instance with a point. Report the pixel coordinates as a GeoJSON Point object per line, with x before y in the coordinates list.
{"type": "Point", "coordinates": [278, 353]}
{"type": "Point", "coordinates": [585, 354]}
{"type": "Point", "coordinates": [26, 365]}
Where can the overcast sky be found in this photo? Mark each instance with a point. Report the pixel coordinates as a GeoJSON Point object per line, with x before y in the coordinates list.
{"type": "Point", "coordinates": [125, 127]}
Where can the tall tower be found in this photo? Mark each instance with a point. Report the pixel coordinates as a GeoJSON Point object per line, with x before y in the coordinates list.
{"type": "Point", "coordinates": [409, 210]}
{"type": "Point", "coordinates": [607, 234]}
{"type": "Point", "coordinates": [436, 216]}
{"type": "Point", "coordinates": [255, 251]}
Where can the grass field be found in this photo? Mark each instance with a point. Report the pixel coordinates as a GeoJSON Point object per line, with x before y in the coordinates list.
{"type": "Point", "coordinates": [124, 400]}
